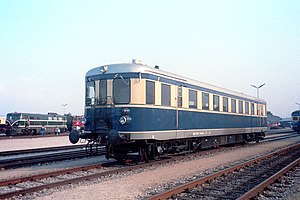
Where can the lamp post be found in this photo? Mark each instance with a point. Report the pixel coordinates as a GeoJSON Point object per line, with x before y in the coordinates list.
{"type": "Point", "coordinates": [257, 89]}
{"type": "Point", "coordinates": [64, 105]}
{"type": "Point", "coordinates": [298, 105]}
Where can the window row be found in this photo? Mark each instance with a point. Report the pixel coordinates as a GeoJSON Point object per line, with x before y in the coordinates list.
{"type": "Point", "coordinates": [121, 93]}
{"type": "Point", "coordinates": [235, 104]}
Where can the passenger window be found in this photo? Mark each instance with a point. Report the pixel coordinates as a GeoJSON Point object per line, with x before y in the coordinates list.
{"type": "Point", "coordinates": [165, 95]}
{"type": "Point", "coordinates": [121, 91]}
{"type": "Point", "coordinates": [241, 110]}
{"type": "Point", "coordinates": [180, 97]}
{"type": "Point", "coordinates": [192, 99]}
{"type": "Point", "coordinates": [205, 101]}
{"type": "Point", "coordinates": [233, 105]}
{"type": "Point", "coordinates": [216, 103]}
{"type": "Point", "coordinates": [252, 108]}
{"type": "Point", "coordinates": [247, 107]}
{"type": "Point", "coordinates": [150, 92]}
{"type": "Point", "coordinates": [225, 104]}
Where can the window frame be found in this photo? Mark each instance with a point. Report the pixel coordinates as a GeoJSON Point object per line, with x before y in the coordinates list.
{"type": "Point", "coordinates": [233, 105]}
{"type": "Point", "coordinates": [194, 93]}
{"type": "Point", "coordinates": [241, 107]}
{"type": "Point", "coordinates": [165, 101]}
{"type": "Point", "coordinates": [102, 100]}
{"type": "Point", "coordinates": [247, 107]}
{"type": "Point", "coordinates": [127, 80]}
{"type": "Point", "coordinates": [87, 93]}
{"type": "Point", "coordinates": [227, 105]}
{"type": "Point", "coordinates": [149, 97]}
{"type": "Point", "coordinates": [204, 95]}
{"type": "Point", "coordinates": [216, 107]}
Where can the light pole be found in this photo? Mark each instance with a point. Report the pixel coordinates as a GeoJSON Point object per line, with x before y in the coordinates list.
{"type": "Point", "coordinates": [64, 105]}
{"type": "Point", "coordinates": [257, 89]}
{"type": "Point", "coordinates": [298, 105]}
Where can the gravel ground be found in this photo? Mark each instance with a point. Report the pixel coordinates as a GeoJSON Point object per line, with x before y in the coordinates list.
{"type": "Point", "coordinates": [136, 185]}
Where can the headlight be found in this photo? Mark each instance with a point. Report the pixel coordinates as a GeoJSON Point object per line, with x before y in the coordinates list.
{"type": "Point", "coordinates": [83, 121]}
{"type": "Point", "coordinates": [125, 120]}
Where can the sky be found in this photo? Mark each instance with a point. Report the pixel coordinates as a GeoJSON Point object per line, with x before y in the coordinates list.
{"type": "Point", "coordinates": [46, 47]}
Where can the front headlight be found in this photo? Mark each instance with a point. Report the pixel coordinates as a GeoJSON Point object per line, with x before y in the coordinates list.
{"type": "Point", "coordinates": [125, 120]}
{"type": "Point", "coordinates": [83, 121]}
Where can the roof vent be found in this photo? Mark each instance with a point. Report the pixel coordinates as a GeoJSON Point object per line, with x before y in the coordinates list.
{"type": "Point", "coordinates": [156, 67]}
{"type": "Point", "coordinates": [137, 61]}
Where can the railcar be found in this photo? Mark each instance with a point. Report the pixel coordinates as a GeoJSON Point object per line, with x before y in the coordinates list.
{"type": "Point", "coordinates": [296, 121]}
{"type": "Point", "coordinates": [31, 123]}
{"type": "Point", "coordinates": [2, 124]}
{"type": "Point", "coordinates": [78, 122]}
{"type": "Point", "coordinates": [141, 112]}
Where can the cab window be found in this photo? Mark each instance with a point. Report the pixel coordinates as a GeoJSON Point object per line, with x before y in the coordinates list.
{"type": "Point", "coordinates": [102, 91]}
{"type": "Point", "coordinates": [121, 91]}
{"type": "Point", "coordinates": [90, 93]}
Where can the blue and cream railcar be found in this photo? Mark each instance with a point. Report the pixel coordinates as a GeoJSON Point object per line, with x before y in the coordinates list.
{"type": "Point", "coordinates": [296, 121]}
{"type": "Point", "coordinates": [139, 110]}
{"type": "Point", "coordinates": [31, 124]}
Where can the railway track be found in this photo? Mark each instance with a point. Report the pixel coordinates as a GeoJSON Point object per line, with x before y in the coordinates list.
{"type": "Point", "coordinates": [42, 155]}
{"type": "Point", "coordinates": [26, 185]}
{"type": "Point", "coordinates": [5, 137]}
{"type": "Point", "coordinates": [29, 157]}
{"type": "Point", "coordinates": [242, 181]}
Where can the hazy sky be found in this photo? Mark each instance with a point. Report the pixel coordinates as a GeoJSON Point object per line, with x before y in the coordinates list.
{"type": "Point", "coordinates": [46, 47]}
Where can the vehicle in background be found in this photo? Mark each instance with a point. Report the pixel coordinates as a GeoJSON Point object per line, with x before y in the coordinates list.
{"type": "Point", "coordinates": [2, 124]}
{"type": "Point", "coordinates": [78, 122]}
{"type": "Point", "coordinates": [296, 121]}
{"type": "Point", "coordinates": [285, 123]}
{"type": "Point", "coordinates": [32, 124]}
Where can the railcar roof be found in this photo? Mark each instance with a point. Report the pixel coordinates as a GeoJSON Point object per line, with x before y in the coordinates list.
{"type": "Point", "coordinates": [296, 113]}
{"type": "Point", "coordinates": [141, 68]}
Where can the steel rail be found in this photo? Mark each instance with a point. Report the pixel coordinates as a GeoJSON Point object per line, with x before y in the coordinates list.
{"type": "Point", "coordinates": [9, 137]}
{"type": "Point", "coordinates": [185, 187]}
{"type": "Point", "coordinates": [261, 187]}
{"type": "Point", "coordinates": [38, 150]}
{"type": "Point", "coordinates": [57, 156]}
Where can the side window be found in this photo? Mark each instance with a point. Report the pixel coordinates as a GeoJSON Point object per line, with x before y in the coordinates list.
{"type": "Point", "coordinates": [205, 101]}
{"type": "Point", "coordinates": [252, 108]}
{"type": "Point", "coordinates": [233, 105]}
{"type": "Point", "coordinates": [102, 91]}
{"type": "Point", "coordinates": [90, 93]}
{"type": "Point", "coordinates": [165, 95]}
{"type": "Point", "coordinates": [241, 110]}
{"type": "Point", "coordinates": [225, 104]}
{"type": "Point", "coordinates": [216, 103]}
{"type": "Point", "coordinates": [179, 97]}
{"type": "Point", "coordinates": [192, 99]}
{"type": "Point", "coordinates": [247, 107]}
{"type": "Point", "coordinates": [121, 90]}
{"type": "Point", "coordinates": [150, 92]}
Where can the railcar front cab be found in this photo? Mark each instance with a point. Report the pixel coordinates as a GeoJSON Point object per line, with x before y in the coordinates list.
{"type": "Point", "coordinates": [105, 111]}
